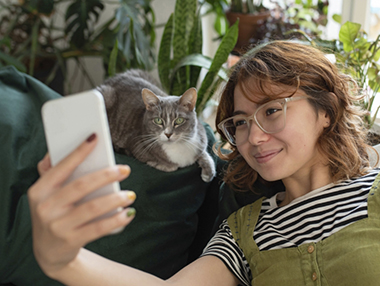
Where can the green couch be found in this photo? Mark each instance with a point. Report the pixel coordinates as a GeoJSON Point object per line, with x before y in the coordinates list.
{"type": "Point", "coordinates": [177, 212]}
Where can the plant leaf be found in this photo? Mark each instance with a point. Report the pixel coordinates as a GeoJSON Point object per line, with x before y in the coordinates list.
{"type": "Point", "coordinates": [201, 61]}
{"type": "Point", "coordinates": [163, 60]}
{"type": "Point", "coordinates": [195, 47]}
{"type": "Point", "coordinates": [337, 18]}
{"type": "Point", "coordinates": [347, 35]}
{"type": "Point", "coordinates": [9, 60]}
{"type": "Point", "coordinates": [113, 58]}
{"type": "Point", "coordinates": [226, 46]}
{"type": "Point", "coordinates": [78, 14]}
{"type": "Point", "coordinates": [184, 18]}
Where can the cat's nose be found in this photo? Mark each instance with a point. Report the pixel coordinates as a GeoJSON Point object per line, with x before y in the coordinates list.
{"type": "Point", "coordinates": [168, 135]}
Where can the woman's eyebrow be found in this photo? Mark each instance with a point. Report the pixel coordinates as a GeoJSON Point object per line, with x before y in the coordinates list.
{"type": "Point", "coordinates": [239, 112]}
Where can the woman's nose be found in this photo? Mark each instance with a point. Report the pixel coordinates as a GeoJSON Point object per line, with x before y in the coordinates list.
{"type": "Point", "coordinates": [256, 136]}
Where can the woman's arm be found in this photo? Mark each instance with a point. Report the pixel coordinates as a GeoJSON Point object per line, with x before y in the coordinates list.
{"type": "Point", "coordinates": [61, 229]}
{"type": "Point", "coordinates": [91, 269]}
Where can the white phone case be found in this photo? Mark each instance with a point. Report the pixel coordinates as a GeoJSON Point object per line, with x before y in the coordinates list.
{"type": "Point", "coordinates": [69, 121]}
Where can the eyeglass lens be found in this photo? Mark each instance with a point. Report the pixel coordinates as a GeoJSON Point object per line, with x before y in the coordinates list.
{"type": "Point", "coordinates": [270, 117]}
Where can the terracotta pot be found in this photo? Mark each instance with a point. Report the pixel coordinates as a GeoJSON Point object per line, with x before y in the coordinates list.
{"type": "Point", "coordinates": [248, 26]}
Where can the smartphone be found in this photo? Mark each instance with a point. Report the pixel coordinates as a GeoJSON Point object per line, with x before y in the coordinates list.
{"type": "Point", "coordinates": [69, 121]}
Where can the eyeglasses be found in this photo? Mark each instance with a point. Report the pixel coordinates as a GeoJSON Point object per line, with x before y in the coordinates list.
{"type": "Point", "coordinates": [270, 117]}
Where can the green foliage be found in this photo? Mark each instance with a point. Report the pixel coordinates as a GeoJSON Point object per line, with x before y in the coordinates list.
{"type": "Point", "coordinates": [31, 40]}
{"type": "Point", "coordinates": [80, 18]}
{"type": "Point", "coordinates": [359, 57]}
{"type": "Point", "coordinates": [180, 56]}
{"type": "Point", "coordinates": [287, 19]}
{"type": "Point", "coordinates": [218, 8]}
{"type": "Point", "coordinates": [248, 6]}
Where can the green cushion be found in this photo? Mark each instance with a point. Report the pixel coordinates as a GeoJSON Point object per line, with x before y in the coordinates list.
{"type": "Point", "coordinates": [159, 240]}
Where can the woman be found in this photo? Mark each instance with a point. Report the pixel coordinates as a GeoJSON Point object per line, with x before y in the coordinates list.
{"type": "Point", "coordinates": [289, 117]}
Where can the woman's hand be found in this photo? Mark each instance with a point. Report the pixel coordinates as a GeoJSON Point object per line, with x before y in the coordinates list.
{"type": "Point", "coordinates": [60, 227]}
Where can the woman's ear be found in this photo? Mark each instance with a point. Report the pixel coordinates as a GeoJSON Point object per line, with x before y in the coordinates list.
{"type": "Point", "coordinates": [326, 118]}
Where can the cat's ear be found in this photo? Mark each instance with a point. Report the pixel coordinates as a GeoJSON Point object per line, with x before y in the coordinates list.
{"type": "Point", "coordinates": [150, 99]}
{"type": "Point", "coordinates": [189, 99]}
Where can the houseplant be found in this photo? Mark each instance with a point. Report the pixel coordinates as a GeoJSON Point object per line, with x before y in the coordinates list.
{"type": "Point", "coordinates": [31, 40]}
{"type": "Point", "coordinates": [252, 15]}
{"type": "Point", "coordinates": [279, 21]}
{"type": "Point", "coordinates": [180, 57]}
{"type": "Point", "coordinates": [288, 19]}
{"type": "Point", "coordinates": [359, 56]}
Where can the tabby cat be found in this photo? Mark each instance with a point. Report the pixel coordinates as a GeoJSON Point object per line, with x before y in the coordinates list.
{"type": "Point", "coordinates": [158, 129]}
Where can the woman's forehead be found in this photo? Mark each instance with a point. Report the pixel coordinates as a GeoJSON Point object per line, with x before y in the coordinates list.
{"type": "Point", "coordinates": [261, 92]}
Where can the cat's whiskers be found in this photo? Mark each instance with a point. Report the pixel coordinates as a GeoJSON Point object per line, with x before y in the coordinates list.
{"type": "Point", "coordinates": [145, 143]}
{"type": "Point", "coordinates": [190, 142]}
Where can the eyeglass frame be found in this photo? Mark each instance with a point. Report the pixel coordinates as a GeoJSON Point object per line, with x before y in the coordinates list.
{"type": "Point", "coordinates": [253, 116]}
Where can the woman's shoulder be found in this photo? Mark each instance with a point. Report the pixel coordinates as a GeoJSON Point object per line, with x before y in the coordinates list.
{"type": "Point", "coordinates": [367, 178]}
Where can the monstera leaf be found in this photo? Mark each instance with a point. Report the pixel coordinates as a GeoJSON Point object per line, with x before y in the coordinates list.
{"type": "Point", "coordinates": [80, 17]}
{"type": "Point", "coordinates": [136, 33]}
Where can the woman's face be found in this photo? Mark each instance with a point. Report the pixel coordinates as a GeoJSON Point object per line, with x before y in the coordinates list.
{"type": "Point", "coordinates": [293, 151]}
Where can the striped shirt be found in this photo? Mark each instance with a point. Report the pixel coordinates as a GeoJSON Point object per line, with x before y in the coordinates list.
{"type": "Point", "coordinates": [310, 218]}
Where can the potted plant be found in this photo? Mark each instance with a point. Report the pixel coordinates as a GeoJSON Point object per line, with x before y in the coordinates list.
{"type": "Point", "coordinates": [359, 56]}
{"type": "Point", "coordinates": [283, 20]}
{"type": "Point", "coordinates": [31, 40]}
{"type": "Point", "coordinates": [180, 57]}
{"type": "Point", "coordinates": [292, 19]}
{"type": "Point", "coordinates": [252, 14]}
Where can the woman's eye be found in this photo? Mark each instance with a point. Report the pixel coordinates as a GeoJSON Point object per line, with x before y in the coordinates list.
{"type": "Point", "coordinates": [271, 111]}
{"type": "Point", "coordinates": [158, 121]}
{"type": "Point", "coordinates": [179, 121]}
{"type": "Point", "coordinates": [240, 122]}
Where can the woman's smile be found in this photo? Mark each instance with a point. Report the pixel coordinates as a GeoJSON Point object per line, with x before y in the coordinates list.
{"type": "Point", "coordinates": [266, 156]}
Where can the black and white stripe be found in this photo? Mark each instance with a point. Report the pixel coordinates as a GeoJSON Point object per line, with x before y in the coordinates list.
{"type": "Point", "coordinates": [310, 218]}
{"type": "Point", "coordinates": [223, 246]}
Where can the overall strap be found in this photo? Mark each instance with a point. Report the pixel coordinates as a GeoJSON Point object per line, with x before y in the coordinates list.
{"type": "Point", "coordinates": [374, 199]}
{"type": "Point", "coordinates": [242, 224]}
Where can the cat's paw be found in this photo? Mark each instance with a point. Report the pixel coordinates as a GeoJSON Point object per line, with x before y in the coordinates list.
{"type": "Point", "coordinates": [208, 167]}
{"type": "Point", "coordinates": [208, 175]}
{"type": "Point", "coordinates": [162, 167]}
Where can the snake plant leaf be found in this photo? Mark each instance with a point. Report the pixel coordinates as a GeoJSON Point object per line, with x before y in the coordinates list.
{"type": "Point", "coordinates": [195, 47]}
{"type": "Point", "coordinates": [78, 16]}
{"type": "Point", "coordinates": [163, 60]}
{"type": "Point", "coordinates": [200, 61]}
{"type": "Point", "coordinates": [226, 46]}
{"type": "Point", "coordinates": [9, 60]}
{"type": "Point", "coordinates": [184, 18]}
{"type": "Point", "coordinates": [347, 35]}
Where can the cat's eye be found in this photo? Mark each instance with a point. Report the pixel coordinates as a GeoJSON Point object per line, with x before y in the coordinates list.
{"type": "Point", "coordinates": [179, 121]}
{"type": "Point", "coordinates": [158, 121]}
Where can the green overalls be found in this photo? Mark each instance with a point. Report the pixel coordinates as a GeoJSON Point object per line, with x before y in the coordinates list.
{"type": "Point", "coordinates": [350, 256]}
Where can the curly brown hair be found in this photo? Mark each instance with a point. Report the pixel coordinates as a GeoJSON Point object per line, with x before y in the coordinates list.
{"type": "Point", "coordinates": [307, 68]}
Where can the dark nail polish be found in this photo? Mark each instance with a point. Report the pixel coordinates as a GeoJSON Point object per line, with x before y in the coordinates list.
{"type": "Point", "coordinates": [91, 137]}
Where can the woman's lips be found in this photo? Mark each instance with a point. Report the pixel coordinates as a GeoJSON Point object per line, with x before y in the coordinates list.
{"type": "Point", "coordinates": [266, 156]}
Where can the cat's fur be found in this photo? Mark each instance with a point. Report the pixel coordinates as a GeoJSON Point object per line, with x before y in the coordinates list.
{"type": "Point", "coordinates": [133, 101]}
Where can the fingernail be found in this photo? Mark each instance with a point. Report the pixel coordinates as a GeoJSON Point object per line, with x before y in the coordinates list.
{"type": "Point", "coordinates": [131, 195]}
{"type": "Point", "coordinates": [91, 138]}
{"type": "Point", "coordinates": [131, 212]}
{"type": "Point", "coordinates": [124, 170]}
